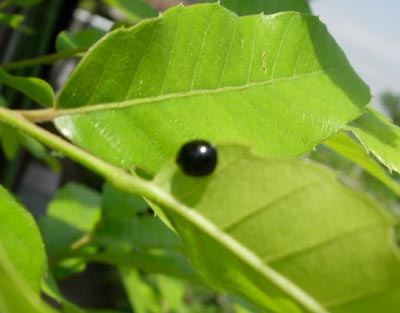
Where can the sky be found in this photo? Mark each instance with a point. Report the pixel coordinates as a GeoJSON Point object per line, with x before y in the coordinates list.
{"type": "Point", "coordinates": [369, 33]}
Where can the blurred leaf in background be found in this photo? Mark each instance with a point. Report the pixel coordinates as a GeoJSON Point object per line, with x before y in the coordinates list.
{"type": "Point", "coordinates": [71, 218]}
{"type": "Point", "coordinates": [85, 38]}
{"type": "Point", "coordinates": [133, 10]}
{"type": "Point", "coordinates": [391, 102]}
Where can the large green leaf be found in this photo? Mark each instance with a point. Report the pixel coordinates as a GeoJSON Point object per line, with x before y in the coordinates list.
{"type": "Point", "coordinates": [34, 88]}
{"type": "Point", "coordinates": [15, 295]}
{"type": "Point", "coordinates": [279, 83]}
{"type": "Point", "coordinates": [272, 229]}
{"type": "Point", "coordinates": [20, 238]}
{"type": "Point", "coordinates": [379, 137]}
{"type": "Point", "coordinates": [266, 6]}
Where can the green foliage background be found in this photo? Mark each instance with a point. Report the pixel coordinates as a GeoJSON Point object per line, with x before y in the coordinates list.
{"type": "Point", "coordinates": [270, 229]}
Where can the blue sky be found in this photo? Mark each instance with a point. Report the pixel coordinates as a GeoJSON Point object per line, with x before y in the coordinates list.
{"type": "Point", "coordinates": [369, 33]}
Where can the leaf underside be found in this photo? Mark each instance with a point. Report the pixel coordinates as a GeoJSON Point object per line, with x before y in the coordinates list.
{"type": "Point", "coordinates": [346, 146]}
{"type": "Point", "coordinates": [21, 241]}
{"type": "Point", "coordinates": [278, 83]}
{"type": "Point", "coordinates": [15, 295]}
{"type": "Point", "coordinates": [379, 137]}
{"type": "Point", "coordinates": [333, 243]}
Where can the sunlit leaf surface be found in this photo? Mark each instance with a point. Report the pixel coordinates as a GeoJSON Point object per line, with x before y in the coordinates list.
{"type": "Point", "coordinates": [273, 228]}
{"type": "Point", "coordinates": [21, 241]}
{"type": "Point", "coordinates": [279, 83]}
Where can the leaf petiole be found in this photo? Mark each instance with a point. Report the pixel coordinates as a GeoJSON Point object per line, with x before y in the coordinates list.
{"type": "Point", "coordinates": [46, 59]}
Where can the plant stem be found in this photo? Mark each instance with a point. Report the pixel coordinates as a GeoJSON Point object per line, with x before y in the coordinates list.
{"type": "Point", "coordinates": [45, 59]}
{"type": "Point", "coordinates": [40, 115]}
{"type": "Point", "coordinates": [108, 171]}
{"type": "Point", "coordinates": [115, 175]}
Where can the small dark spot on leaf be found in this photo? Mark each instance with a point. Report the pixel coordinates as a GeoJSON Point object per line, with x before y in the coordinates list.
{"type": "Point", "coordinates": [264, 62]}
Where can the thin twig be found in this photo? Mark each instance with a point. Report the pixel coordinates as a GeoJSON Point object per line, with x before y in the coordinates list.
{"type": "Point", "coordinates": [45, 59]}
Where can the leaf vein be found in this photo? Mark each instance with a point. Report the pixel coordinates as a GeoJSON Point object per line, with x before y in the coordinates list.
{"type": "Point", "coordinates": [252, 50]}
{"type": "Point", "coordinates": [171, 53]}
{"type": "Point", "coordinates": [228, 54]}
{"type": "Point", "coordinates": [356, 297]}
{"type": "Point", "coordinates": [324, 242]}
{"type": "Point", "coordinates": [141, 62]}
{"type": "Point", "coordinates": [300, 54]}
{"type": "Point", "coordinates": [281, 44]}
{"type": "Point", "coordinates": [159, 98]}
{"type": "Point", "coordinates": [201, 51]}
{"type": "Point", "coordinates": [229, 227]}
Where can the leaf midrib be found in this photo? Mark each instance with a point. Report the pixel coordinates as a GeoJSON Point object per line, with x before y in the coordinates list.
{"type": "Point", "coordinates": [318, 244]}
{"type": "Point", "coordinates": [128, 103]}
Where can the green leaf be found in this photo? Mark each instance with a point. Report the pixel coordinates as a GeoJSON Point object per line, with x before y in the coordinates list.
{"type": "Point", "coordinates": [133, 10]}
{"type": "Point", "coordinates": [39, 152]}
{"type": "Point", "coordinates": [71, 217]}
{"type": "Point", "coordinates": [9, 140]}
{"type": "Point", "coordinates": [122, 224]}
{"type": "Point", "coordinates": [347, 147]}
{"type": "Point", "coordinates": [127, 221]}
{"type": "Point", "coordinates": [34, 88]}
{"type": "Point", "coordinates": [278, 83]}
{"type": "Point", "coordinates": [67, 41]}
{"type": "Point", "coordinates": [142, 297]}
{"type": "Point", "coordinates": [21, 241]}
{"type": "Point", "coordinates": [14, 21]}
{"type": "Point", "coordinates": [172, 293]}
{"type": "Point", "coordinates": [15, 295]}
{"type": "Point", "coordinates": [266, 6]}
{"type": "Point", "coordinates": [379, 137]}
{"type": "Point", "coordinates": [163, 261]}
{"type": "Point", "coordinates": [11, 20]}
{"type": "Point", "coordinates": [271, 229]}
{"type": "Point", "coordinates": [121, 207]}
{"type": "Point", "coordinates": [131, 235]}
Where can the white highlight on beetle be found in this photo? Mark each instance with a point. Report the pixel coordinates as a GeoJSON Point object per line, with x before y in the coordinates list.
{"type": "Point", "coordinates": [203, 149]}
